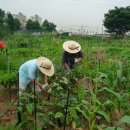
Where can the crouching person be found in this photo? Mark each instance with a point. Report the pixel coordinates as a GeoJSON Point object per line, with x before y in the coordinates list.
{"type": "Point", "coordinates": [72, 54]}
{"type": "Point", "coordinates": [31, 70]}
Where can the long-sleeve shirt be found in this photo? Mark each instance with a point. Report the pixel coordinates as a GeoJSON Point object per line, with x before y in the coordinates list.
{"type": "Point", "coordinates": [69, 58]}
{"type": "Point", "coordinates": [28, 71]}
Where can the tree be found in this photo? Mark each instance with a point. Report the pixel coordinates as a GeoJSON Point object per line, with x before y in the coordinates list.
{"type": "Point", "coordinates": [10, 22]}
{"type": "Point", "coordinates": [118, 20]}
{"type": "Point", "coordinates": [2, 21]}
{"type": "Point", "coordinates": [2, 16]}
{"type": "Point", "coordinates": [48, 26]}
{"type": "Point", "coordinates": [36, 25]}
{"type": "Point", "coordinates": [52, 27]}
{"type": "Point", "coordinates": [29, 24]}
{"type": "Point", "coordinates": [32, 25]}
{"type": "Point", "coordinates": [16, 24]}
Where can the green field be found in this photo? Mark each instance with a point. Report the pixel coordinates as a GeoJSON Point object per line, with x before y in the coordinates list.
{"type": "Point", "coordinates": [99, 86]}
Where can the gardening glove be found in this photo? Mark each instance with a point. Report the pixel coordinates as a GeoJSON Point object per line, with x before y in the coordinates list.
{"type": "Point", "coordinates": [76, 60]}
{"type": "Point", "coordinates": [45, 86]}
{"type": "Point", "coordinates": [38, 89]}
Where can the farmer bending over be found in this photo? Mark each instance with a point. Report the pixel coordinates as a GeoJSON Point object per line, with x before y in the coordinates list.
{"type": "Point", "coordinates": [31, 70]}
{"type": "Point", "coordinates": [72, 54]}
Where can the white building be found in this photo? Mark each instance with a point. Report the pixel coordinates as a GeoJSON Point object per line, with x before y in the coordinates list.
{"type": "Point", "coordinates": [22, 18]}
{"type": "Point", "coordinates": [36, 18]}
{"type": "Point", "coordinates": [83, 30]}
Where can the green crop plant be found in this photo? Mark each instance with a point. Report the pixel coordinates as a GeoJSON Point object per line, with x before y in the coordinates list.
{"type": "Point", "coordinates": [124, 120]}
{"type": "Point", "coordinates": [120, 100]}
{"type": "Point", "coordinates": [95, 108]}
{"type": "Point", "coordinates": [26, 107]}
{"type": "Point", "coordinates": [88, 107]}
{"type": "Point", "coordinates": [8, 80]}
{"type": "Point", "coordinates": [8, 127]}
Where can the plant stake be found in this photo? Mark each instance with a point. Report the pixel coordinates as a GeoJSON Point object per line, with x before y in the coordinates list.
{"type": "Point", "coordinates": [10, 85]}
{"type": "Point", "coordinates": [18, 112]}
{"type": "Point", "coordinates": [35, 110]}
{"type": "Point", "coordinates": [67, 102]}
{"type": "Point", "coordinates": [66, 110]}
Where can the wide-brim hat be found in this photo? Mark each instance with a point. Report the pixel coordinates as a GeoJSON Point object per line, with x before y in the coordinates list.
{"type": "Point", "coordinates": [71, 46]}
{"type": "Point", "coordinates": [45, 66]}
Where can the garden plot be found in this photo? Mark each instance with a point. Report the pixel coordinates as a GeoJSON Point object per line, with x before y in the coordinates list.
{"type": "Point", "coordinates": [99, 94]}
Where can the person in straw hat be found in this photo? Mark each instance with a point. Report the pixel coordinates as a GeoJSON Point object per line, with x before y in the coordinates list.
{"type": "Point", "coordinates": [31, 70]}
{"type": "Point", "coordinates": [72, 54]}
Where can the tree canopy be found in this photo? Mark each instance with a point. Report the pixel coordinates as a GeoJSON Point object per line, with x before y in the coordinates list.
{"type": "Point", "coordinates": [8, 24]}
{"type": "Point", "coordinates": [2, 15]}
{"type": "Point", "coordinates": [48, 26]}
{"type": "Point", "coordinates": [32, 25]}
{"type": "Point", "coordinates": [118, 20]}
{"type": "Point", "coordinates": [16, 24]}
{"type": "Point", "coordinates": [12, 24]}
{"type": "Point", "coordinates": [2, 21]}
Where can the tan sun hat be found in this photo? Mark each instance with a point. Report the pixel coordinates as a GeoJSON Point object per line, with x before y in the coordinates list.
{"type": "Point", "coordinates": [71, 46]}
{"type": "Point", "coordinates": [45, 66]}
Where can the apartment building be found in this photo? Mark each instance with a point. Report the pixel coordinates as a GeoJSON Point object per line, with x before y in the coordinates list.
{"type": "Point", "coordinates": [36, 18]}
{"type": "Point", "coordinates": [22, 18]}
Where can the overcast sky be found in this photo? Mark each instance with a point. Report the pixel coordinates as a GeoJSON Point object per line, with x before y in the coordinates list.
{"type": "Point", "coordinates": [89, 13]}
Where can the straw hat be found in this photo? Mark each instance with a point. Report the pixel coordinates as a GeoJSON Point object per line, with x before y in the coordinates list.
{"type": "Point", "coordinates": [45, 66]}
{"type": "Point", "coordinates": [71, 46]}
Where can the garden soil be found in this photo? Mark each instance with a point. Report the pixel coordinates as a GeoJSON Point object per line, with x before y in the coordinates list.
{"type": "Point", "coordinates": [8, 115]}
{"type": "Point", "coordinates": [7, 108]}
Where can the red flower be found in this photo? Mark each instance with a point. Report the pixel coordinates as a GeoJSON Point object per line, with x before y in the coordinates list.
{"type": "Point", "coordinates": [2, 44]}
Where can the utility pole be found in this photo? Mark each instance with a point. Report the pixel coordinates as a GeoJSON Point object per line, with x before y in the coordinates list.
{"type": "Point", "coordinates": [81, 29]}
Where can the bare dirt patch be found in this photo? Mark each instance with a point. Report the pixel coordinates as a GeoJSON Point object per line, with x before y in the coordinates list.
{"type": "Point", "coordinates": [7, 106]}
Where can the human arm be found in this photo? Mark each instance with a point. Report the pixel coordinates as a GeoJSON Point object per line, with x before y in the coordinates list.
{"type": "Point", "coordinates": [66, 66]}
{"type": "Point", "coordinates": [45, 79]}
{"type": "Point", "coordinates": [35, 74]}
{"type": "Point", "coordinates": [79, 57]}
{"type": "Point", "coordinates": [64, 60]}
{"type": "Point", "coordinates": [37, 83]}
